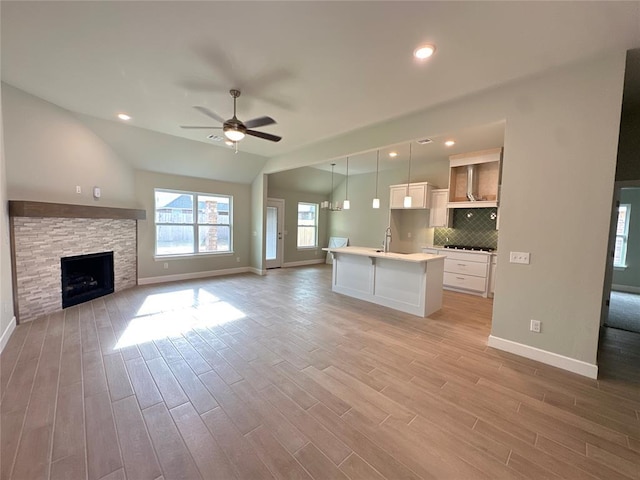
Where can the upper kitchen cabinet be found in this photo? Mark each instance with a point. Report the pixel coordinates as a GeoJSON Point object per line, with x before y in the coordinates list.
{"type": "Point", "coordinates": [474, 179]}
{"type": "Point", "coordinates": [438, 212]}
{"type": "Point", "coordinates": [420, 194]}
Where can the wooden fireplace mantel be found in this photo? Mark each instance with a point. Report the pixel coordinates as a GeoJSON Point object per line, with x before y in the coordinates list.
{"type": "Point", "coordinates": [24, 208]}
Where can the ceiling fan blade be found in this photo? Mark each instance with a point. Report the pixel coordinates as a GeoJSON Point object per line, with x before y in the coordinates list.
{"type": "Point", "coordinates": [259, 122]}
{"type": "Point", "coordinates": [209, 113]}
{"type": "Point", "coordinates": [266, 136]}
{"type": "Point", "coordinates": [207, 128]}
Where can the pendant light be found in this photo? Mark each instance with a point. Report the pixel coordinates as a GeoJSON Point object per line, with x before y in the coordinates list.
{"type": "Point", "coordinates": [346, 205]}
{"type": "Point", "coordinates": [407, 198]}
{"type": "Point", "coordinates": [376, 200]}
{"type": "Point", "coordinates": [332, 207]}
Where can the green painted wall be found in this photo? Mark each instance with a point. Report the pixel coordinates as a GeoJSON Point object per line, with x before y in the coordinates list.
{"type": "Point", "coordinates": [291, 199]}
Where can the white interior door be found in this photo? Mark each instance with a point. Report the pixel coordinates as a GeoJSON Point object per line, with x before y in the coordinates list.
{"type": "Point", "coordinates": [275, 230]}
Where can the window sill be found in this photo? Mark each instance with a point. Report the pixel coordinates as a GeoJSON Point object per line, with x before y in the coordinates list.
{"type": "Point", "coordinates": [308, 248]}
{"type": "Point", "coordinates": [620, 268]}
{"type": "Point", "coordinates": [184, 256]}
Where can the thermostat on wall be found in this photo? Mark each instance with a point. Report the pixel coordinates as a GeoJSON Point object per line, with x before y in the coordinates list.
{"type": "Point", "coordinates": [96, 192]}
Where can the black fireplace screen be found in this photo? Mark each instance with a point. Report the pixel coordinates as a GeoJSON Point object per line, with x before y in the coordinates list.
{"type": "Point", "coordinates": [85, 277]}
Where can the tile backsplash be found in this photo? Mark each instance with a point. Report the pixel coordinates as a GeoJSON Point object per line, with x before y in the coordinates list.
{"type": "Point", "coordinates": [471, 226]}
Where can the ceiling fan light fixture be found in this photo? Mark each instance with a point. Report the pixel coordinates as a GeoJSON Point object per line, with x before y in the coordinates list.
{"type": "Point", "coordinates": [234, 134]}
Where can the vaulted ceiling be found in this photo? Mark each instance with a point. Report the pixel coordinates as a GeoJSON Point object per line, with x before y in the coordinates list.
{"type": "Point", "coordinates": [319, 68]}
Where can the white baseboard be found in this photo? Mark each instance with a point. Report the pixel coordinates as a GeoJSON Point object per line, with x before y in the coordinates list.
{"type": "Point", "coordinates": [303, 262]}
{"type": "Point", "coordinates": [258, 271]}
{"type": "Point", "coordinates": [566, 363]}
{"type": "Point", "coordinates": [6, 335]}
{"type": "Point", "coordinates": [192, 276]}
{"type": "Point", "coordinates": [625, 288]}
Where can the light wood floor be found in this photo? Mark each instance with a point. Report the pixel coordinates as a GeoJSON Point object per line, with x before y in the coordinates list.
{"type": "Point", "coordinates": [254, 377]}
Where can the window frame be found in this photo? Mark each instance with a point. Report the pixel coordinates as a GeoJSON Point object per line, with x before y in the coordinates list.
{"type": "Point", "coordinates": [315, 226]}
{"type": "Point", "coordinates": [195, 224]}
{"type": "Point", "coordinates": [622, 236]}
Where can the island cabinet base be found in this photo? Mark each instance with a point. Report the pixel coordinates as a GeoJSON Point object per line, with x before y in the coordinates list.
{"type": "Point", "coordinates": [411, 287]}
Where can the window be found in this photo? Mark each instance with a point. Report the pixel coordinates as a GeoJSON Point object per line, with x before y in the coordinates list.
{"type": "Point", "coordinates": [622, 234]}
{"type": "Point", "coordinates": [190, 223]}
{"type": "Point", "coordinates": [307, 225]}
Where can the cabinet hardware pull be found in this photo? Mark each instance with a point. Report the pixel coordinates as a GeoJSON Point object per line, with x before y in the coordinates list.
{"type": "Point", "coordinates": [462, 264]}
{"type": "Point", "coordinates": [460, 278]}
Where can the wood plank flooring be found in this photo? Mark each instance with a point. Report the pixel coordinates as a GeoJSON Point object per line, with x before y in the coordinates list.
{"type": "Point", "coordinates": [249, 377]}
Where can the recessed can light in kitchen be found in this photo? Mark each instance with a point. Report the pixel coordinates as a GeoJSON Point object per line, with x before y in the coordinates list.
{"type": "Point", "coordinates": [124, 116]}
{"type": "Point", "coordinates": [424, 51]}
{"type": "Point", "coordinates": [450, 143]}
{"type": "Point", "coordinates": [393, 154]}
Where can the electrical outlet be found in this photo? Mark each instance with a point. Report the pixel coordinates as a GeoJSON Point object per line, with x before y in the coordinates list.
{"type": "Point", "coordinates": [535, 326]}
{"type": "Point", "coordinates": [409, 235]}
{"type": "Point", "coordinates": [78, 189]}
{"type": "Point", "coordinates": [166, 265]}
{"type": "Point", "coordinates": [519, 257]}
{"type": "Point", "coordinates": [238, 259]}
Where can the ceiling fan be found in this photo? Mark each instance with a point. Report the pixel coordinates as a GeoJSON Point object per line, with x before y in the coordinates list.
{"type": "Point", "coordinates": [234, 129]}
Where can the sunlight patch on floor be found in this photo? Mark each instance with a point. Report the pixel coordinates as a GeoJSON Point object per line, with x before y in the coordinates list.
{"type": "Point", "coordinates": [168, 301]}
{"type": "Point", "coordinates": [174, 313]}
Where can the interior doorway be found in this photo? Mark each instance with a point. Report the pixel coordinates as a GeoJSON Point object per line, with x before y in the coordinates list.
{"type": "Point", "coordinates": [622, 298]}
{"type": "Point", "coordinates": [275, 228]}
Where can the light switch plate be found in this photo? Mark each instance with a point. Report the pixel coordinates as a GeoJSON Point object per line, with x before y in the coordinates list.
{"type": "Point", "coordinates": [519, 257]}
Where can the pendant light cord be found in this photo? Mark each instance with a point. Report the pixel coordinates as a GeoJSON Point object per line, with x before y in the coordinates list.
{"type": "Point", "coordinates": [377, 165]}
{"type": "Point", "coordinates": [346, 190]}
{"type": "Point", "coordinates": [409, 174]}
{"type": "Point", "coordinates": [331, 204]}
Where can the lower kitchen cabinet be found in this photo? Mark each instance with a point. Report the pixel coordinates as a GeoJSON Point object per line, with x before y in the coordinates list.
{"type": "Point", "coordinates": [467, 272]}
{"type": "Point", "coordinates": [492, 275]}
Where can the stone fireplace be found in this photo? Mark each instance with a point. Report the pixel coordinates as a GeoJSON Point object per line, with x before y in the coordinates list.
{"type": "Point", "coordinates": [42, 234]}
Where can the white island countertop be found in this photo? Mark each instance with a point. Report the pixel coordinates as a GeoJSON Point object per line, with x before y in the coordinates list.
{"type": "Point", "coordinates": [377, 253]}
{"type": "Point", "coordinates": [410, 282]}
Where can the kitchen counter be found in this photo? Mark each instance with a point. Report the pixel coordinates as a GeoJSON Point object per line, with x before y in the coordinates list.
{"type": "Point", "coordinates": [440, 247]}
{"type": "Point", "coordinates": [411, 283]}
{"type": "Point", "coordinates": [376, 253]}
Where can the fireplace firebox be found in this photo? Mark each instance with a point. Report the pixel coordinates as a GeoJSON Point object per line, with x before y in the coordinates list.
{"type": "Point", "coordinates": [85, 277]}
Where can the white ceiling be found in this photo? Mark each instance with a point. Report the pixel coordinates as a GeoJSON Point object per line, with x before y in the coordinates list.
{"type": "Point", "coordinates": [319, 68]}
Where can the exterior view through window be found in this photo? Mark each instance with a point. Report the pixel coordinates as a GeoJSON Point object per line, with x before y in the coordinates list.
{"type": "Point", "coordinates": [307, 225]}
{"type": "Point", "coordinates": [622, 233]}
{"type": "Point", "coordinates": [191, 223]}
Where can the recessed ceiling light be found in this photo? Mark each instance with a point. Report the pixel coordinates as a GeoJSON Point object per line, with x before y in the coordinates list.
{"type": "Point", "coordinates": [449, 143]}
{"type": "Point", "coordinates": [424, 51]}
{"type": "Point", "coordinates": [393, 154]}
{"type": "Point", "coordinates": [124, 116]}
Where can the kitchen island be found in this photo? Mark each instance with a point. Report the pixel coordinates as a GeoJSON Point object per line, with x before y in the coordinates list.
{"type": "Point", "coordinates": [411, 283]}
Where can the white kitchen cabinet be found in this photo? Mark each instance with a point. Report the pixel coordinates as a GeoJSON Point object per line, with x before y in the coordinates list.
{"type": "Point", "coordinates": [438, 212]}
{"type": "Point", "coordinates": [492, 275]}
{"type": "Point", "coordinates": [466, 271]}
{"type": "Point", "coordinates": [419, 193]}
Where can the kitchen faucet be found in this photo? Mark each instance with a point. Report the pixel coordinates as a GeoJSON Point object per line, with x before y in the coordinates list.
{"type": "Point", "coordinates": [387, 240]}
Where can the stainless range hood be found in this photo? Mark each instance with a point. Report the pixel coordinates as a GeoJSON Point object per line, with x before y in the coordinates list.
{"type": "Point", "coordinates": [472, 184]}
